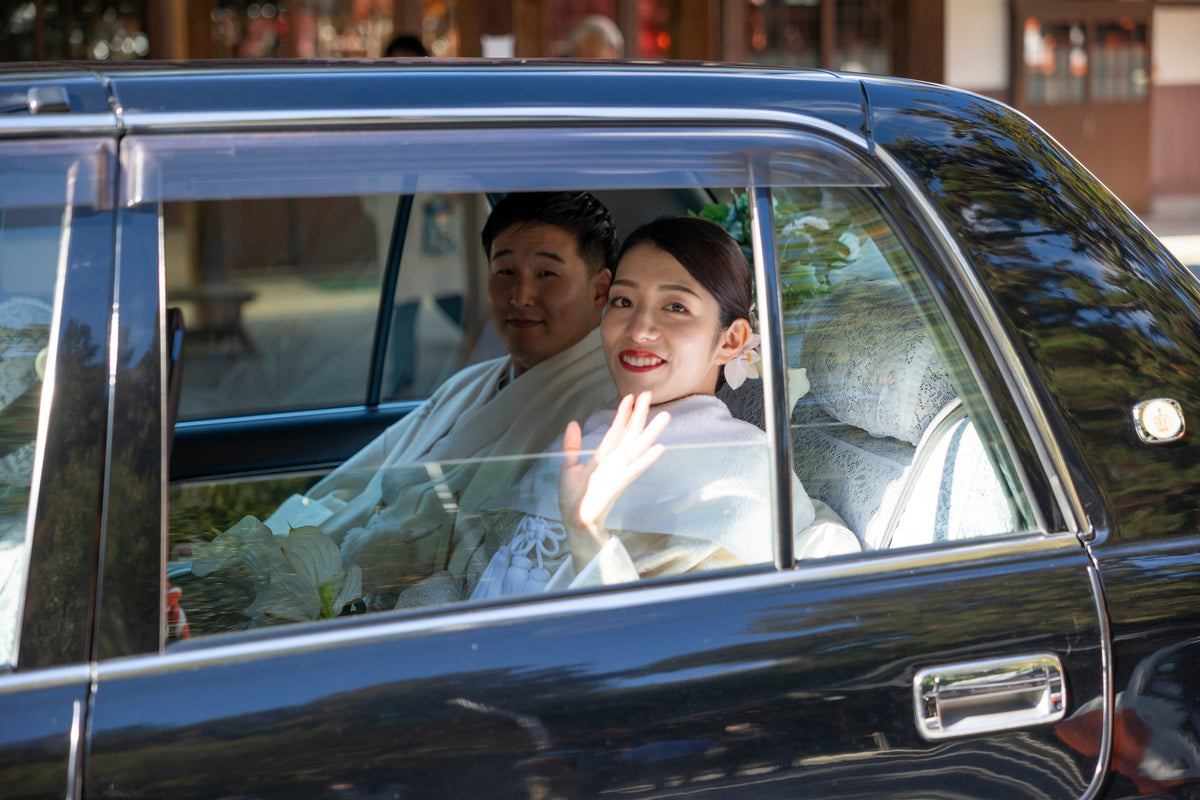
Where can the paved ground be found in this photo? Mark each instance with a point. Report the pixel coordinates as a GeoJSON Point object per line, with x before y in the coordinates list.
{"type": "Point", "coordinates": [1176, 220]}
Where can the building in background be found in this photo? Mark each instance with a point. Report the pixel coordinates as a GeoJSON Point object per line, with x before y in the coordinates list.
{"type": "Point", "coordinates": [1116, 81]}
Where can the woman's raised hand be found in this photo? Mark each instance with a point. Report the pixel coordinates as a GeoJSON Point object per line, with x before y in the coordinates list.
{"type": "Point", "coordinates": [587, 490]}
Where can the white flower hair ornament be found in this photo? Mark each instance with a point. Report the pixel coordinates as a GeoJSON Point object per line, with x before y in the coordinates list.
{"type": "Point", "coordinates": [745, 364]}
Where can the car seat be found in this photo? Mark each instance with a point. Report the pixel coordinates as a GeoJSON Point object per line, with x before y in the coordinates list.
{"type": "Point", "coordinates": [882, 436]}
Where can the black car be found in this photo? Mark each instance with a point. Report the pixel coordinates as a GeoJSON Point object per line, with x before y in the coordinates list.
{"type": "Point", "coordinates": [219, 281]}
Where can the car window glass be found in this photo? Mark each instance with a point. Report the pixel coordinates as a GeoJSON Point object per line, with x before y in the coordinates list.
{"type": "Point", "coordinates": [279, 297]}
{"type": "Point", "coordinates": [422, 533]}
{"type": "Point", "coordinates": [210, 165]}
{"type": "Point", "coordinates": [30, 243]}
{"type": "Point", "coordinates": [889, 429]}
{"type": "Point", "coordinates": [404, 523]}
{"type": "Point", "coordinates": [437, 317]}
{"type": "Point", "coordinates": [276, 558]}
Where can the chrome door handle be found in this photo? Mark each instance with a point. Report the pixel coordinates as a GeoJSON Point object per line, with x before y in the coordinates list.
{"type": "Point", "coordinates": [987, 696]}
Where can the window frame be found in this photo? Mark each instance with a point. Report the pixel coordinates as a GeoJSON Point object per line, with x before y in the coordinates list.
{"type": "Point", "coordinates": [857, 149]}
{"type": "Point", "coordinates": [64, 539]}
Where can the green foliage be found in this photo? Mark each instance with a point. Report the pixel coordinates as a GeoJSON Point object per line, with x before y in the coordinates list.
{"type": "Point", "coordinates": [733, 218]}
{"type": "Point", "coordinates": [808, 245]}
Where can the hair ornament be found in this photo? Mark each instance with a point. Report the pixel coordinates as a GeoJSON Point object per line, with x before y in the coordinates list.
{"type": "Point", "coordinates": [745, 364]}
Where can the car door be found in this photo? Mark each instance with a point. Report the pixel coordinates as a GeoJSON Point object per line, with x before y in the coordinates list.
{"type": "Point", "coordinates": [56, 261]}
{"type": "Point", "coordinates": [936, 668]}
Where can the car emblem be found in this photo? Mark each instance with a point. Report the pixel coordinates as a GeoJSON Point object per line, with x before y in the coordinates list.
{"type": "Point", "coordinates": [1158, 420]}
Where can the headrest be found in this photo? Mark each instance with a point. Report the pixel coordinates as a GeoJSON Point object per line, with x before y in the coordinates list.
{"type": "Point", "coordinates": [871, 362]}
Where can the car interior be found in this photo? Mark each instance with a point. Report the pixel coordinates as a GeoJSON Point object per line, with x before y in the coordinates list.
{"type": "Point", "coordinates": [286, 343]}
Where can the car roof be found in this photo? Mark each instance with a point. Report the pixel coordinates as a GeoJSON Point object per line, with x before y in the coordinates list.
{"type": "Point", "coordinates": [295, 86]}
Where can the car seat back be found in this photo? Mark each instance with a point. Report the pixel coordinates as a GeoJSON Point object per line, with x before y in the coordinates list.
{"type": "Point", "coordinates": [882, 436]}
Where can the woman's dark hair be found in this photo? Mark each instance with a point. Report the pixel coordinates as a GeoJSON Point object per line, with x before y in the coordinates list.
{"type": "Point", "coordinates": [578, 213]}
{"type": "Point", "coordinates": [708, 253]}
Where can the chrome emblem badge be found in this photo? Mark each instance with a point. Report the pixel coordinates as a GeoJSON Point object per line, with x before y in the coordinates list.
{"type": "Point", "coordinates": [1159, 420]}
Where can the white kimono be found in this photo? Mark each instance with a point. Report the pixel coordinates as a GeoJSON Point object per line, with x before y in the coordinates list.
{"type": "Point", "coordinates": [392, 506]}
{"type": "Point", "coordinates": [704, 504]}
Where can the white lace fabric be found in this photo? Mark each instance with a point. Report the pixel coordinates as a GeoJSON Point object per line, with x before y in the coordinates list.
{"type": "Point", "coordinates": [845, 466]}
{"type": "Point", "coordinates": [872, 364]}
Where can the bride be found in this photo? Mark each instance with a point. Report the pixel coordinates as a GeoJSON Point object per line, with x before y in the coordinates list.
{"type": "Point", "coordinates": [675, 484]}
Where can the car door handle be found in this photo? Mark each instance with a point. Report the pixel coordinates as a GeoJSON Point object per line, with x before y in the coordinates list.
{"type": "Point", "coordinates": [987, 696]}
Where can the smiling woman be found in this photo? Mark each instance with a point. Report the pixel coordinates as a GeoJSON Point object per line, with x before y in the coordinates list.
{"type": "Point", "coordinates": [678, 311]}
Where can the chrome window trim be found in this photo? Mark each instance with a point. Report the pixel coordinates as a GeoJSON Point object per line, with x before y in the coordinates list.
{"type": "Point", "coordinates": [778, 423]}
{"type": "Point", "coordinates": [478, 159]}
{"type": "Point", "coordinates": [1020, 386]}
{"type": "Point", "coordinates": [86, 165]}
{"type": "Point", "coordinates": [45, 407]}
{"type": "Point", "coordinates": [290, 640]}
{"type": "Point", "coordinates": [51, 678]}
{"type": "Point", "coordinates": [271, 121]}
{"type": "Point", "coordinates": [1108, 704]}
{"type": "Point", "coordinates": [1034, 416]}
{"type": "Point", "coordinates": [103, 124]}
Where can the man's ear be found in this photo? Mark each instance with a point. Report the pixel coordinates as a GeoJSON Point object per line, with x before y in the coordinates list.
{"type": "Point", "coordinates": [600, 283]}
{"type": "Point", "coordinates": [732, 340]}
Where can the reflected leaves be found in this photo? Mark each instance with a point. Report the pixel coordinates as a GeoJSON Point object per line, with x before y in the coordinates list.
{"type": "Point", "coordinates": [1096, 306]}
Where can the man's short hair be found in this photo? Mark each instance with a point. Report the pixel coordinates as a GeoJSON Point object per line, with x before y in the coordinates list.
{"type": "Point", "coordinates": [578, 213]}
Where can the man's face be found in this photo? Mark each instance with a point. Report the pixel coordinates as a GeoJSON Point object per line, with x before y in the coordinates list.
{"type": "Point", "coordinates": [544, 298]}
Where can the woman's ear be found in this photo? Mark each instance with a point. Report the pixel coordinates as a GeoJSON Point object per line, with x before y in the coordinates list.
{"type": "Point", "coordinates": [732, 340]}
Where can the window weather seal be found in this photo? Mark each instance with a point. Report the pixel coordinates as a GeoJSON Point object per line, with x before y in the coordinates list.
{"type": "Point", "coordinates": [387, 301]}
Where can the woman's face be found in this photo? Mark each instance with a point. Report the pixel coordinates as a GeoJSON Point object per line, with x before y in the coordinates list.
{"type": "Point", "coordinates": [661, 329]}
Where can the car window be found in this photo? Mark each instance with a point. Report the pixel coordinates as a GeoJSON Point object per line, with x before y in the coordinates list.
{"type": "Point", "coordinates": [273, 292]}
{"type": "Point", "coordinates": [436, 314]}
{"type": "Point", "coordinates": [405, 524]}
{"type": "Point", "coordinates": [411, 534]}
{"type": "Point", "coordinates": [281, 298]}
{"type": "Point", "coordinates": [30, 244]}
{"type": "Point", "coordinates": [889, 428]}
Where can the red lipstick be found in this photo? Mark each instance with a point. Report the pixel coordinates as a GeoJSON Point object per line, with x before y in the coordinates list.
{"type": "Point", "coordinates": [640, 360]}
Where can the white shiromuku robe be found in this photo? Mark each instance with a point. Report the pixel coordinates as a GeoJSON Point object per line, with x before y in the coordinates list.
{"type": "Point", "coordinates": [393, 505]}
{"type": "Point", "coordinates": [704, 504]}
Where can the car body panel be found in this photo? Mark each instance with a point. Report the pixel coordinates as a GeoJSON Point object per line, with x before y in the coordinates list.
{"type": "Point", "coordinates": [604, 693]}
{"type": "Point", "coordinates": [41, 731]}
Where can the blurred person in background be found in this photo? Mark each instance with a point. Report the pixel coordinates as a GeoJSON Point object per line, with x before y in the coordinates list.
{"type": "Point", "coordinates": [595, 36]}
{"type": "Point", "coordinates": [405, 45]}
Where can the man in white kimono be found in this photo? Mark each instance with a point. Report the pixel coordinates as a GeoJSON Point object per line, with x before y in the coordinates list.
{"type": "Point", "coordinates": [393, 505]}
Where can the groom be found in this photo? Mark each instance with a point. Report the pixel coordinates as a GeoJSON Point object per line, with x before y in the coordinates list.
{"type": "Point", "coordinates": [550, 261]}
